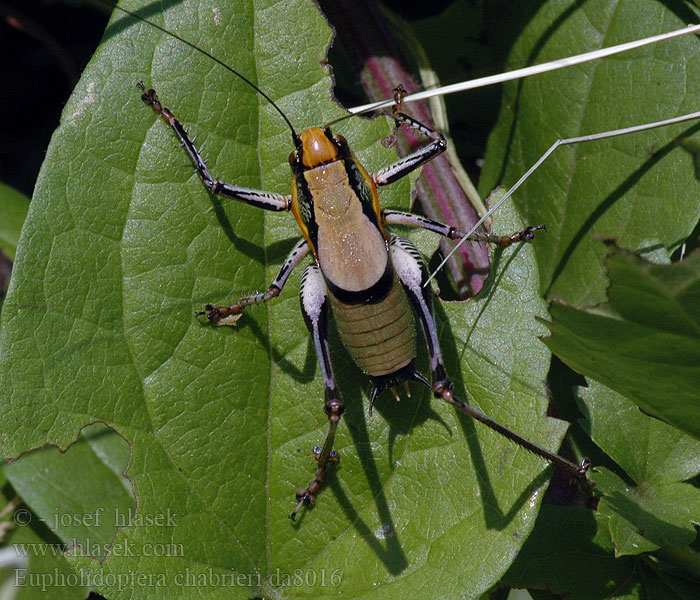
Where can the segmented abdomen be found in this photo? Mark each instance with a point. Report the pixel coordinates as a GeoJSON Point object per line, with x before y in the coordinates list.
{"type": "Point", "coordinates": [381, 337]}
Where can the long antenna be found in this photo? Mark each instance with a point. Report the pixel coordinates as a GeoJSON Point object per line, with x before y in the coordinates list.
{"type": "Point", "coordinates": [553, 65]}
{"type": "Point", "coordinates": [209, 55]}
{"type": "Point", "coordinates": [528, 71]}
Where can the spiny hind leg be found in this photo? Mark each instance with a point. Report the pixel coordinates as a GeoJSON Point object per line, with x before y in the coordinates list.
{"type": "Point", "coordinates": [228, 315]}
{"type": "Point", "coordinates": [413, 274]}
{"type": "Point", "coordinates": [315, 308]}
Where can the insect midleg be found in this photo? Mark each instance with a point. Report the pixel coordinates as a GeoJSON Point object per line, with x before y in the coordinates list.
{"type": "Point", "coordinates": [315, 307]}
{"type": "Point", "coordinates": [259, 198]}
{"type": "Point", "coordinates": [395, 217]}
{"type": "Point", "coordinates": [413, 161]}
{"type": "Point", "coordinates": [228, 315]}
{"type": "Point", "coordinates": [413, 274]}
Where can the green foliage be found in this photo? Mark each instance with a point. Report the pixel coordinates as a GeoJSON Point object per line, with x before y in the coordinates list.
{"type": "Point", "coordinates": [616, 317]}
{"type": "Point", "coordinates": [573, 550]}
{"type": "Point", "coordinates": [639, 189]}
{"type": "Point", "coordinates": [567, 553]}
{"type": "Point", "coordinates": [13, 210]}
{"type": "Point", "coordinates": [124, 244]}
{"type": "Point", "coordinates": [646, 342]}
{"type": "Point", "coordinates": [82, 499]}
{"type": "Point", "coordinates": [657, 509]}
{"type": "Point", "coordinates": [33, 558]}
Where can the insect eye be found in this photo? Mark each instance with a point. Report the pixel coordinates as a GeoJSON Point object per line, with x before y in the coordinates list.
{"type": "Point", "coordinates": [340, 140]}
{"type": "Point", "coordinates": [293, 158]}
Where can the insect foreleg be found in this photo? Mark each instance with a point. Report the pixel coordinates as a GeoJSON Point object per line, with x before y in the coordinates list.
{"type": "Point", "coordinates": [259, 198]}
{"type": "Point", "coordinates": [315, 308]}
{"type": "Point", "coordinates": [413, 274]}
{"type": "Point", "coordinates": [228, 315]}
{"type": "Point", "coordinates": [411, 162]}
{"type": "Point", "coordinates": [395, 217]}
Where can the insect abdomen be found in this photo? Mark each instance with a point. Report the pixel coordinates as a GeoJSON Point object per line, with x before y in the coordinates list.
{"type": "Point", "coordinates": [380, 337]}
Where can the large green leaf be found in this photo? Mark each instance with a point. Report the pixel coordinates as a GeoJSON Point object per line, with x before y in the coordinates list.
{"type": "Point", "coordinates": [121, 246]}
{"type": "Point", "coordinates": [640, 189]}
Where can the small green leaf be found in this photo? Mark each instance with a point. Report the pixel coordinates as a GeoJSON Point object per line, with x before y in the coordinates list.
{"type": "Point", "coordinates": [78, 497]}
{"type": "Point", "coordinates": [646, 517]}
{"type": "Point", "coordinates": [13, 210]}
{"type": "Point", "coordinates": [32, 556]}
{"type": "Point", "coordinates": [646, 343]}
{"type": "Point", "coordinates": [657, 509]}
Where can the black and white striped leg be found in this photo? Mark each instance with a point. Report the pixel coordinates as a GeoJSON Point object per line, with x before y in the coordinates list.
{"type": "Point", "coordinates": [315, 308]}
{"type": "Point", "coordinates": [395, 217]}
{"type": "Point", "coordinates": [228, 315]}
{"type": "Point", "coordinates": [411, 162]}
{"type": "Point", "coordinates": [413, 275]}
{"type": "Point", "coordinates": [259, 198]}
